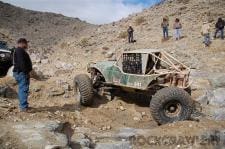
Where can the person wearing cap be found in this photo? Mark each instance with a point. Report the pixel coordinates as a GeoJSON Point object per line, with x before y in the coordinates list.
{"type": "Point", "coordinates": [130, 32]}
{"type": "Point", "coordinates": [22, 68]}
{"type": "Point", "coordinates": [206, 33]}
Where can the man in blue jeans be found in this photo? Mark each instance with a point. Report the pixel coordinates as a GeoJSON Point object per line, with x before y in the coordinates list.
{"type": "Point", "coordinates": [22, 68]}
{"type": "Point", "coordinates": [165, 27]}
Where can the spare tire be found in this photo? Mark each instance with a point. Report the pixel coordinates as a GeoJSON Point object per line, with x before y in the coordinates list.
{"type": "Point", "coordinates": [171, 104]}
{"type": "Point", "coordinates": [84, 89]}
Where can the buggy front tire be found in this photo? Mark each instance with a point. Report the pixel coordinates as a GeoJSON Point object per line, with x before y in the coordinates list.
{"type": "Point", "coordinates": [83, 89]}
{"type": "Point", "coordinates": [171, 104]}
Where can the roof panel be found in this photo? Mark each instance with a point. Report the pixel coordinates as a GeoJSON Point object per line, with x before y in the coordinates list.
{"type": "Point", "coordinates": [144, 51]}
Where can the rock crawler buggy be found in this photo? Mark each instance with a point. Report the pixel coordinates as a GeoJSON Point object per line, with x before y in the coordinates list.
{"type": "Point", "coordinates": [146, 71]}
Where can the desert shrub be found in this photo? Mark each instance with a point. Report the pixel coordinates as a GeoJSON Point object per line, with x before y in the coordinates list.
{"type": "Point", "coordinates": [183, 1]}
{"type": "Point", "coordinates": [140, 20]}
{"type": "Point", "coordinates": [123, 35]}
{"type": "Point", "coordinates": [63, 45]}
{"type": "Point", "coordinates": [84, 42]}
{"type": "Point", "coordinates": [105, 48]}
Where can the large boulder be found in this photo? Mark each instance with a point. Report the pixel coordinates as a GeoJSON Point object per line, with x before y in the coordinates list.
{"type": "Point", "coordinates": [213, 103]}
{"type": "Point", "coordinates": [218, 98]}
{"type": "Point", "coordinates": [218, 114]}
{"type": "Point", "coordinates": [213, 97]}
{"type": "Point", "coordinates": [41, 134]}
{"type": "Point", "coordinates": [7, 92]}
{"type": "Point", "coordinates": [217, 81]}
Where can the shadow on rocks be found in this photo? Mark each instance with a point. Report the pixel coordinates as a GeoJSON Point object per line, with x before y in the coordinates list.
{"type": "Point", "coordinates": [7, 92]}
{"type": "Point", "coordinates": [65, 108]}
{"type": "Point", "coordinates": [139, 99]}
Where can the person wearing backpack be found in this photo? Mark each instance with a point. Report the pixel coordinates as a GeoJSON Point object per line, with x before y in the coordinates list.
{"type": "Point", "coordinates": [165, 26]}
{"type": "Point", "coordinates": [177, 27]}
{"type": "Point", "coordinates": [220, 28]}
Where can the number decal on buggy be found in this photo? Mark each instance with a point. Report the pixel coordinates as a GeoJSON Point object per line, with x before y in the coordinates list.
{"type": "Point", "coordinates": [137, 84]}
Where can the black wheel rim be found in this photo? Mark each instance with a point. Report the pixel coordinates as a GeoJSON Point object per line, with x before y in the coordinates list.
{"type": "Point", "coordinates": [172, 109]}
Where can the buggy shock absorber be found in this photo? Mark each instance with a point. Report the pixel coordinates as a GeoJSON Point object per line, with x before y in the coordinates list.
{"type": "Point", "coordinates": [174, 80]}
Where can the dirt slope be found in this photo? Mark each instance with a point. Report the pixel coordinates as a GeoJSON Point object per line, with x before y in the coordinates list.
{"type": "Point", "coordinates": [42, 29]}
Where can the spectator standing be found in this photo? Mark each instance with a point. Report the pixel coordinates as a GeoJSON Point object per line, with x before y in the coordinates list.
{"type": "Point", "coordinates": [220, 28]}
{"type": "Point", "coordinates": [130, 32]}
{"type": "Point", "coordinates": [206, 33]}
{"type": "Point", "coordinates": [165, 27]}
{"type": "Point", "coordinates": [177, 27]}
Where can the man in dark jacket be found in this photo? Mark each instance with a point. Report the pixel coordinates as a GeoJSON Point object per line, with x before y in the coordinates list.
{"type": "Point", "coordinates": [220, 28]}
{"type": "Point", "coordinates": [130, 32]}
{"type": "Point", "coordinates": [22, 68]}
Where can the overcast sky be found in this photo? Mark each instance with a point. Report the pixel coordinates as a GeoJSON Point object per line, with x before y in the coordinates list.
{"type": "Point", "coordinates": [92, 11]}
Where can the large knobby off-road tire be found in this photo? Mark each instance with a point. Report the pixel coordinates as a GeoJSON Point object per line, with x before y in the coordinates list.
{"type": "Point", "coordinates": [171, 104]}
{"type": "Point", "coordinates": [83, 89]}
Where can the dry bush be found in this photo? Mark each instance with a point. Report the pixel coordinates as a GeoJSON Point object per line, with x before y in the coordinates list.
{"type": "Point", "coordinates": [84, 42]}
{"type": "Point", "coordinates": [63, 45]}
{"type": "Point", "coordinates": [139, 21]}
{"type": "Point", "coordinates": [123, 34]}
{"type": "Point", "coordinates": [183, 1]}
{"type": "Point", "coordinates": [105, 48]}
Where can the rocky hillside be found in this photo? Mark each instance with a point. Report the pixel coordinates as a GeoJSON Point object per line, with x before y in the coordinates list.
{"type": "Point", "coordinates": [42, 29]}
{"type": "Point", "coordinates": [76, 43]}
{"type": "Point", "coordinates": [148, 33]}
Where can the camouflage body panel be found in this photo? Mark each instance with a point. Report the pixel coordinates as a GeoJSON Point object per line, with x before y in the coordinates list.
{"type": "Point", "coordinates": [105, 68]}
{"type": "Point", "coordinates": [114, 75]}
{"type": "Point", "coordinates": [142, 69]}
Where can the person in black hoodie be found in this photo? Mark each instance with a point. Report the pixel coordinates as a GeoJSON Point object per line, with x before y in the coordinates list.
{"type": "Point", "coordinates": [22, 68]}
{"type": "Point", "coordinates": [130, 32]}
{"type": "Point", "coordinates": [220, 28]}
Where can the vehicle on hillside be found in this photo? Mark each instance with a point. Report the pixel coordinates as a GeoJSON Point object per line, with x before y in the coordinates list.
{"type": "Point", "coordinates": [146, 71]}
{"type": "Point", "coordinates": [5, 59]}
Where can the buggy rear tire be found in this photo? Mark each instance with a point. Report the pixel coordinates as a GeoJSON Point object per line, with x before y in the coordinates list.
{"type": "Point", "coordinates": [84, 89]}
{"type": "Point", "coordinates": [171, 104]}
